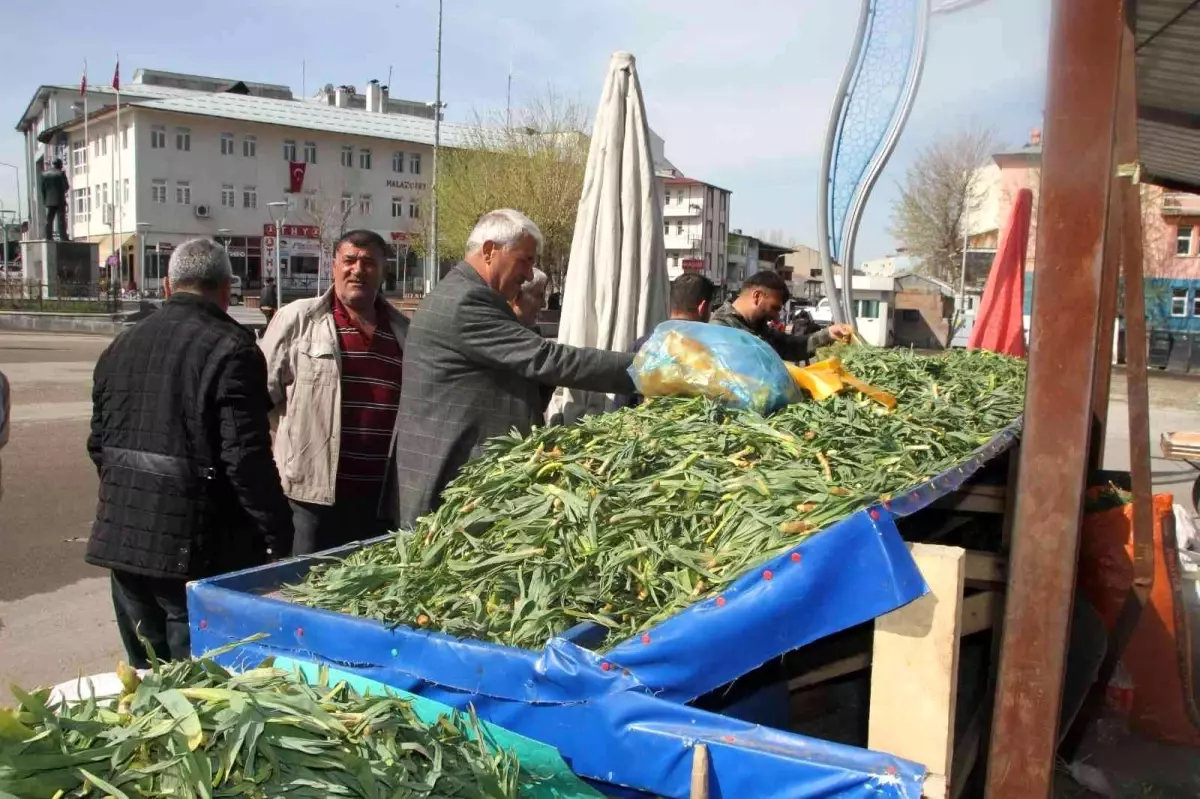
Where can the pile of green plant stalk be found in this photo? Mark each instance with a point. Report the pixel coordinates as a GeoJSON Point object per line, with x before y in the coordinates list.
{"type": "Point", "coordinates": [192, 729]}
{"type": "Point", "coordinates": [627, 518]}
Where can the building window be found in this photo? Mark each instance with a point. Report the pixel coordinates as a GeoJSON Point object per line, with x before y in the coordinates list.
{"type": "Point", "coordinates": [183, 139]}
{"type": "Point", "coordinates": [249, 197]}
{"type": "Point", "coordinates": [226, 144]}
{"type": "Point", "coordinates": [365, 207]}
{"type": "Point", "coordinates": [310, 202]}
{"type": "Point", "coordinates": [125, 191]}
{"type": "Point", "coordinates": [103, 141]}
{"type": "Point", "coordinates": [679, 197]}
{"type": "Point", "coordinates": [397, 161]}
{"type": "Point", "coordinates": [1179, 298]}
{"type": "Point", "coordinates": [249, 147]}
{"type": "Point", "coordinates": [1183, 240]}
{"type": "Point", "coordinates": [666, 228]}
{"type": "Point", "coordinates": [1196, 305]}
{"type": "Point", "coordinates": [347, 203]}
{"type": "Point", "coordinates": [289, 151]}
{"type": "Point", "coordinates": [364, 158]}
{"type": "Point", "coordinates": [158, 137]}
{"type": "Point", "coordinates": [227, 195]}
{"type": "Point", "coordinates": [866, 309]}
{"type": "Point", "coordinates": [414, 163]}
{"type": "Point", "coordinates": [910, 315]}
{"type": "Point", "coordinates": [158, 191]}
{"type": "Point", "coordinates": [125, 138]}
{"type": "Point", "coordinates": [414, 210]}
{"type": "Point", "coordinates": [183, 192]}
{"type": "Point", "coordinates": [310, 152]}
{"type": "Point", "coordinates": [347, 156]}
{"type": "Point", "coordinates": [96, 146]}
{"type": "Point", "coordinates": [708, 229]}
{"type": "Point", "coordinates": [103, 195]}
{"type": "Point", "coordinates": [397, 208]}
{"type": "Point", "coordinates": [79, 157]}
{"type": "Point", "coordinates": [678, 228]}
{"type": "Point", "coordinates": [81, 209]}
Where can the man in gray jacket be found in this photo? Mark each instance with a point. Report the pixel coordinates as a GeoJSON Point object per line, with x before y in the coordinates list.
{"type": "Point", "coordinates": [473, 371]}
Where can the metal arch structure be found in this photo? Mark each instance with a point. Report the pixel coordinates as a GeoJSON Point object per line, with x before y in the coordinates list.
{"type": "Point", "coordinates": [872, 105]}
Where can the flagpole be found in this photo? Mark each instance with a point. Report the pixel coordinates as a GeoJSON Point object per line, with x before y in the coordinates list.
{"type": "Point", "coordinates": [87, 155]}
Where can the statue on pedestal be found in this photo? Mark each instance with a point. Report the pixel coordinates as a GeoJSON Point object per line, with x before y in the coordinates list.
{"type": "Point", "coordinates": [55, 194]}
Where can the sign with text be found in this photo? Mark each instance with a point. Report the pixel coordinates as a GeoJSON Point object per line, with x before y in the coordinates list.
{"type": "Point", "coordinates": [294, 231]}
{"type": "Point", "coordinates": [400, 236]}
{"type": "Point", "coordinates": [693, 264]}
{"type": "Point", "coordinates": [406, 184]}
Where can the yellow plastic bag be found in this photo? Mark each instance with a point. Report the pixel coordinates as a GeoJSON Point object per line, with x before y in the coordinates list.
{"type": "Point", "coordinates": [825, 378]}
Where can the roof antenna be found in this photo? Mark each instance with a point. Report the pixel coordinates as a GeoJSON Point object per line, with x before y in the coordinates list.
{"type": "Point", "coordinates": [303, 81]}
{"type": "Point", "coordinates": [389, 83]}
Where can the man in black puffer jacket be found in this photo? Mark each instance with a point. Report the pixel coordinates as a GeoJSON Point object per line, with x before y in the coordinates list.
{"type": "Point", "coordinates": [180, 435]}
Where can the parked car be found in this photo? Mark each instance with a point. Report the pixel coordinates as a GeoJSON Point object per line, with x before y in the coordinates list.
{"type": "Point", "coordinates": [822, 313]}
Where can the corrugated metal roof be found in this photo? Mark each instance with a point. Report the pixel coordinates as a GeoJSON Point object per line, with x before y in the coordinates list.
{"type": "Point", "coordinates": [1168, 88]}
{"type": "Point", "coordinates": [311, 116]}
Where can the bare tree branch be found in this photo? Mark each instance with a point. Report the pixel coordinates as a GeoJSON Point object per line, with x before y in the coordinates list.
{"type": "Point", "coordinates": [536, 166]}
{"type": "Point", "coordinates": [939, 189]}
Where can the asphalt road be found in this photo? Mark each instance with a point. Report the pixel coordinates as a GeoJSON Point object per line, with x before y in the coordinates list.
{"type": "Point", "coordinates": [56, 619]}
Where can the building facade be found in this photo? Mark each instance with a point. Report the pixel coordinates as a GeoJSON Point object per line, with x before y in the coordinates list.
{"type": "Point", "coordinates": [695, 227]}
{"type": "Point", "coordinates": [186, 162]}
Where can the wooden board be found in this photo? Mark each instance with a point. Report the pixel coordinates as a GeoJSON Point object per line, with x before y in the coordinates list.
{"type": "Point", "coordinates": [914, 679]}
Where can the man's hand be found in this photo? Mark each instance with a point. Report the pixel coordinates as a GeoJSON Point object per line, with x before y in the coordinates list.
{"type": "Point", "coordinates": [842, 333]}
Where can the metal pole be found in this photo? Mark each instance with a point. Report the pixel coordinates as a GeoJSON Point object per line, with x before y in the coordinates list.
{"type": "Point", "coordinates": [432, 279]}
{"type": "Point", "coordinates": [17, 178]}
{"type": "Point", "coordinates": [835, 115]}
{"type": "Point", "coordinates": [962, 278]}
{"type": "Point", "coordinates": [279, 261]}
{"type": "Point", "coordinates": [1076, 178]}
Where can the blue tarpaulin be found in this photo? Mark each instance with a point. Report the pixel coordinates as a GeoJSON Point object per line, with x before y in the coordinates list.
{"type": "Point", "coordinates": [619, 717]}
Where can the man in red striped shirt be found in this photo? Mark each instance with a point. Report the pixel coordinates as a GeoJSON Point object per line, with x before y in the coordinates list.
{"type": "Point", "coordinates": [334, 369]}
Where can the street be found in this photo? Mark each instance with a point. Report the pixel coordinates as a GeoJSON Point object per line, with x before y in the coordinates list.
{"type": "Point", "coordinates": [56, 619]}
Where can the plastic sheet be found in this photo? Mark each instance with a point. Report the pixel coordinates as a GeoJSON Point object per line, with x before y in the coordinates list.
{"type": "Point", "coordinates": [693, 359]}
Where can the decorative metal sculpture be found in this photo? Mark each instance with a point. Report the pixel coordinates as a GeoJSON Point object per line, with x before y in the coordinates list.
{"type": "Point", "coordinates": [869, 112]}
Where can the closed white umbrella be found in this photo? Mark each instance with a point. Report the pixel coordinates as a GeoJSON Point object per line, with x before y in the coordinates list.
{"type": "Point", "coordinates": [617, 286]}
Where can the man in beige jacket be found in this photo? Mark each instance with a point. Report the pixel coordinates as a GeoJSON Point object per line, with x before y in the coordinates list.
{"type": "Point", "coordinates": [334, 373]}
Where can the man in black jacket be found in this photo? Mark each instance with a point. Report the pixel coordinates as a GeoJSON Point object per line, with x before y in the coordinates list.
{"type": "Point", "coordinates": [180, 435]}
{"type": "Point", "coordinates": [759, 302]}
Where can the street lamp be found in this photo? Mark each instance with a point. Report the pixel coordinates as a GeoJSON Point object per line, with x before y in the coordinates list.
{"type": "Point", "coordinates": [432, 279]}
{"type": "Point", "coordinates": [223, 235]}
{"type": "Point", "coordinates": [142, 227]}
{"type": "Point", "coordinates": [17, 178]}
{"type": "Point", "coordinates": [279, 210]}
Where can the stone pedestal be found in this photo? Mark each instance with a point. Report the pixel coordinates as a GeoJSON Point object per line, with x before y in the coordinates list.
{"type": "Point", "coordinates": [66, 265]}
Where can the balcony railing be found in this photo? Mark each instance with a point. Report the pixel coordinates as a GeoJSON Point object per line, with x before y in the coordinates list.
{"type": "Point", "coordinates": [1176, 203]}
{"type": "Point", "coordinates": [687, 209]}
{"type": "Point", "coordinates": [674, 242]}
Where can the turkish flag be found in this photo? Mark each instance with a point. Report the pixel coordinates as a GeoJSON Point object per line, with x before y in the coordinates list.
{"type": "Point", "coordinates": [296, 173]}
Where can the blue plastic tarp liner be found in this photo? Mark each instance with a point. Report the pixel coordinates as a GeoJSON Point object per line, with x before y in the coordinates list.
{"type": "Point", "coordinates": [631, 739]}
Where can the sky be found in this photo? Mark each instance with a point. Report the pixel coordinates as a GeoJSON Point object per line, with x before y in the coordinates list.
{"type": "Point", "coordinates": [740, 91]}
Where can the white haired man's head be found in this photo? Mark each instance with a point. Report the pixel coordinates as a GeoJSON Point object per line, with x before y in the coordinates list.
{"type": "Point", "coordinates": [532, 298]}
{"type": "Point", "coordinates": [502, 248]}
{"type": "Point", "coordinates": [200, 266]}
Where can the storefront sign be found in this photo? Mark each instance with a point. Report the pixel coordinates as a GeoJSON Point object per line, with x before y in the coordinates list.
{"type": "Point", "coordinates": [294, 231]}
{"type": "Point", "coordinates": [693, 264]}
{"type": "Point", "coordinates": [405, 184]}
{"type": "Point", "coordinates": [236, 253]}
{"type": "Point", "coordinates": [397, 236]}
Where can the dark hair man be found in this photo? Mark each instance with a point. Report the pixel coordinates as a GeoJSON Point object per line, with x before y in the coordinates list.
{"type": "Point", "coordinates": [334, 369]}
{"type": "Point", "coordinates": [55, 191]}
{"type": "Point", "coordinates": [691, 301]}
{"type": "Point", "coordinates": [180, 437]}
{"type": "Point", "coordinates": [758, 304]}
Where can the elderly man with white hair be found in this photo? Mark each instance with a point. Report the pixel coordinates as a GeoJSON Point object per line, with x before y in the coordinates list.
{"type": "Point", "coordinates": [472, 370]}
{"type": "Point", "coordinates": [180, 436]}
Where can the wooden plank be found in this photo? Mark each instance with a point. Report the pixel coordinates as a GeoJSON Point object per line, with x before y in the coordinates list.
{"type": "Point", "coordinates": [914, 681]}
{"type": "Point", "coordinates": [979, 612]}
{"type": "Point", "coordinates": [831, 671]}
{"type": "Point", "coordinates": [699, 772]}
{"type": "Point", "coordinates": [986, 569]}
{"type": "Point", "coordinates": [975, 499]}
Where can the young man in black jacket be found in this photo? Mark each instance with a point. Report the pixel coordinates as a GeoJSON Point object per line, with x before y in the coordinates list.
{"type": "Point", "coordinates": [759, 302]}
{"type": "Point", "coordinates": [180, 436]}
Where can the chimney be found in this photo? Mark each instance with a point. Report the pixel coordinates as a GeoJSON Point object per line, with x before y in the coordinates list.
{"type": "Point", "coordinates": [342, 95]}
{"type": "Point", "coordinates": [373, 95]}
{"type": "Point", "coordinates": [1035, 137]}
{"type": "Point", "coordinates": [383, 99]}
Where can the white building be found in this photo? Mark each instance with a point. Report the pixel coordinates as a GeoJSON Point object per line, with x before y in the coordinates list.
{"type": "Point", "coordinates": [202, 156]}
{"type": "Point", "coordinates": [695, 223]}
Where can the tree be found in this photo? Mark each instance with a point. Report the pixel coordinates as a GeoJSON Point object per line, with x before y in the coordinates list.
{"type": "Point", "coordinates": [939, 189]}
{"type": "Point", "coordinates": [534, 165]}
{"type": "Point", "coordinates": [328, 212]}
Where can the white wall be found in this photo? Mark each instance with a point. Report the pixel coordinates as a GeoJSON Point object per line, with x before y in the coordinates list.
{"type": "Point", "coordinates": [206, 170]}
